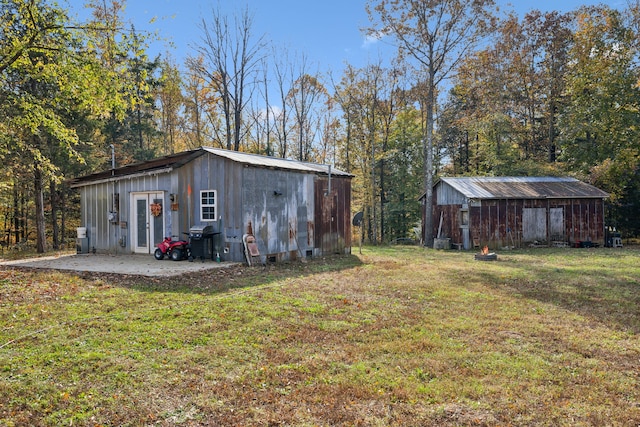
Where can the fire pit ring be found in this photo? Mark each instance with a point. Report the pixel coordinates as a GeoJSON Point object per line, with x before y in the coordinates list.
{"type": "Point", "coordinates": [485, 255]}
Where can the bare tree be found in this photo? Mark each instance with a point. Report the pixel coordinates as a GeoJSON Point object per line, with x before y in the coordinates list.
{"type": "Point", "coordinates": [202, 120]}
{"type": "Point", "coordinates": [260, 126]}
{"type": "Point", "coordinates": [436, 34]}
{"type": "Point", "coordinates": [303, 97]}
{"type": "Point", "coordinates": [230, 62]}
{"type": "Point", "coordinates": [267, 110]}
{"type": "Point", "coordinates": [283, 69]}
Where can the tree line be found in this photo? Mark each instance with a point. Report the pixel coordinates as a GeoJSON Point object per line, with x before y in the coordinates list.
{"type": "Point", "coordinates": [471, 91]}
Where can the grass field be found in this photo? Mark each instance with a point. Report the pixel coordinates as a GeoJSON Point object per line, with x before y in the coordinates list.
{"type": "Point", "coordinates": [396, 336]}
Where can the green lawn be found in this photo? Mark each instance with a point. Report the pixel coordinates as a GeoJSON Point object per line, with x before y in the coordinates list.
{"type": "Point", "coordinates": [396, 336]}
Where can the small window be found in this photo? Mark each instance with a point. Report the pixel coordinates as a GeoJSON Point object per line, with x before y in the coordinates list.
{"type": "Point", "coordinates": [464, 217]}
{"type": "Point", "coordinates": [208, 205]}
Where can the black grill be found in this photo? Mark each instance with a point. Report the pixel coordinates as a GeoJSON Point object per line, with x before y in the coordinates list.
{"type": "Point", "coordinates": [201, 241]}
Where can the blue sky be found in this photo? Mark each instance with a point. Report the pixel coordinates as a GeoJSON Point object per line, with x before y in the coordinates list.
{"type": "Point", "coordinates": [327, 31]}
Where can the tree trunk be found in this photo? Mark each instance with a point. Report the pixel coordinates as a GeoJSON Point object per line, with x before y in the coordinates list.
{"type": "Point", "coordinates": [54, 215]}
{"type": "Point", "coordinates": [237, 122]}
{"type": "Point", "coordinates": [24, 218]}
{"type": "Point", "coordinates": [139, 120]}
{"type": "Point", "coordinates": [16, 213]}
{"type": "Point", "coordinates": [428, 163]}
{"type": "Point", "coordinates": [552, 130]}
{"type": "Point", "coordinates": [374, 219]}
{"type": "Point", "coordinates": [63, 215]}
{"type": "Point", "coordinates": [41, 237]}
{"type": "Point", "coordinates": [382, 197]}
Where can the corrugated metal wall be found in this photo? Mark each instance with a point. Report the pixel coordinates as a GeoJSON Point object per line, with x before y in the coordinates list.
{"type": "Point", "coordinates": [286, 211]}
{"type": "Point", "coordinates": [98, 201]}
{"type": "Point", "coordinates": [277, 205]}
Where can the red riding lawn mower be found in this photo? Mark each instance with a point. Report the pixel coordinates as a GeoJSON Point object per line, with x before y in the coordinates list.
{"type": "Point", "coordinates": [174, 249]}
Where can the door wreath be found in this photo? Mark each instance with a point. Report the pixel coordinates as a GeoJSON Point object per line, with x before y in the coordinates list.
{"type": "Point", "coordinates": [156, 209]}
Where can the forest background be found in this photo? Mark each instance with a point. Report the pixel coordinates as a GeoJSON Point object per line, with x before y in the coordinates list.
{"type": "Point", "coordinates": [471, 91]}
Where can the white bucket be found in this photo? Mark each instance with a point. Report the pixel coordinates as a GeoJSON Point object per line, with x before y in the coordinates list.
{"type": "Point", "coordinates": [82, 232]}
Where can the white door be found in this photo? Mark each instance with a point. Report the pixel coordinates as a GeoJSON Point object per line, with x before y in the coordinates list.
{"type": "Point", "coordinates": [147, 219]}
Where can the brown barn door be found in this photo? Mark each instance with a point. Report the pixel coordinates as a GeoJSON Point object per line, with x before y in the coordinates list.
{"type": "Point", "coordinates": [332, 215]}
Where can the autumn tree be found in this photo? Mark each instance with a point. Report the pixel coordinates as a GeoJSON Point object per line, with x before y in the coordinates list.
{"type": "Point", "coordinates": [354, 94]}
{"type": "Point", "coordinates": [403, 168]}
{"type": "Point", "coordinates": [50, 85]}
{"type": "Point", "coordinates": [133, 78]}
{"type": "Point", "coordinates": [532, 54]}
{"type": "Point", "coordinates": [507, 97]}
{"type": "Point", "coordinates": [370, 99]}
{"type": "Point", "coordinates": [436, 34]}
{"type": "Point", "coordinates": [600, 125]}
{"type": "Point", "coordinates": [601, 78]}
{"type": "Point", "coordinates": [170, 104]}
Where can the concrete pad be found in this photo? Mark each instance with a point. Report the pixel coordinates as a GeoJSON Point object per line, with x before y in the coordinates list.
{"type": "Point", "coordinates": [144, 265]}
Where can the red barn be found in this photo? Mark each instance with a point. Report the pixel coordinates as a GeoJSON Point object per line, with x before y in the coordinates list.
{"type": "Point", "coordinates": [517, 211]}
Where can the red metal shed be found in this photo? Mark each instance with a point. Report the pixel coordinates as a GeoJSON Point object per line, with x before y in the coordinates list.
{"type": "Point", "coordinates": [517, 211]}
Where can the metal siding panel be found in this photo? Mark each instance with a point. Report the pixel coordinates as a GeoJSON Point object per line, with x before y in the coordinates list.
{"type": "Point", "coordinates": [101, 225]}
{"type": "Point", "coordinates": [233, 219]}
{"type": "Point", "coordinates": [273, 218]}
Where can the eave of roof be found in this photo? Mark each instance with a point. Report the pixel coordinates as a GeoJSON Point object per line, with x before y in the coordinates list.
{"type": "Point", "coordinates": [169, 163]}
{"type": "Point", "coordinates": [160, 165]}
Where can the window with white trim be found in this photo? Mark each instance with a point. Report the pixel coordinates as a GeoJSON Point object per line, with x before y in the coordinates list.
{"type": "Point", "coordinates": [208, 205]}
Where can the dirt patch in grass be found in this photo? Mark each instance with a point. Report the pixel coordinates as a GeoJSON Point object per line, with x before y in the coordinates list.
{"type": "Point", "coordinates": [401, 336]}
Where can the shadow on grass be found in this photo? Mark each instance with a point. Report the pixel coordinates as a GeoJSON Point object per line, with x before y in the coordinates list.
{"type": "Point", "coordinates": [602, 284]}
{"type": "Point", "coordinates": [220, 280]}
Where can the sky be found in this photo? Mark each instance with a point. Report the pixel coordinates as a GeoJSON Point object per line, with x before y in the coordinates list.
{"type": "Point", "coordinates": [328, 32]}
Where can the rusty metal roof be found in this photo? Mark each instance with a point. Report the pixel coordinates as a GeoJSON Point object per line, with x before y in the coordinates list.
{"type": "Point", "coordinates": [159, 165]}
{"type": "Point", "coordinates": [524, 188]}
{"type": "Point", "coordinates": [168, 163]}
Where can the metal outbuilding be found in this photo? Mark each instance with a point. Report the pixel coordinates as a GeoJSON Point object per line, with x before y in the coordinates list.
{"type": "Point", "coordinates": [293, 209]}
{"type": "Point", "coordinates": [516, 211]}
